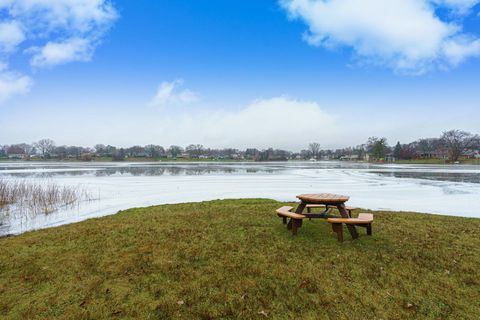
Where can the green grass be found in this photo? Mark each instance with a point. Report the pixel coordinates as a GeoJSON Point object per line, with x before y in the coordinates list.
{"type": "Point", "coordinates": [234, 259]}
{"type": "Point", "coordinates": [438, 161]}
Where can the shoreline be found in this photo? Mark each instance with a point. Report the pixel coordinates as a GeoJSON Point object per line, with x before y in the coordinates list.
{"type": "Point", "coordinates": [469, 162]}
{"type": "Point", "coordinates": [374, 211]}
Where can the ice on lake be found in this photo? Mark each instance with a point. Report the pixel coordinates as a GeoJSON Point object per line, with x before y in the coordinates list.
{"type": "Point", "coordinates": [437, 189]}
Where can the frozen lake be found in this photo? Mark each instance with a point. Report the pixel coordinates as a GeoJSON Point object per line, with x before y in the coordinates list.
{"type": "Point", "coordinates": [450, 190]}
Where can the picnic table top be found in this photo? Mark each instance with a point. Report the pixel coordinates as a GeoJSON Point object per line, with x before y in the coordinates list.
{"type": "Point", "coordinates": [323, 198]}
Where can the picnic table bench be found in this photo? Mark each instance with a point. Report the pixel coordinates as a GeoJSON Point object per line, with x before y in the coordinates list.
{"type": "Point", "coordinates": [326, 201]}
{"type": "Point", "coordinates": [363, 220]}
{"type": "Point", "coordinates": [295, 218]}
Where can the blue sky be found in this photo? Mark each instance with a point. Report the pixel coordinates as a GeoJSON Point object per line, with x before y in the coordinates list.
{"type": "Point", "coordinates": [237, 73]}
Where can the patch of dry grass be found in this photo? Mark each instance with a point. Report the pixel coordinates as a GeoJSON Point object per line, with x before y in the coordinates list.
{"type": "Point", "coordinates": [234, 259]}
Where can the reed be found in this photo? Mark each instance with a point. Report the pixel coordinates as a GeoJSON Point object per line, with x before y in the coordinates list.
{"type": "Point", "coordinates": [38, 197]}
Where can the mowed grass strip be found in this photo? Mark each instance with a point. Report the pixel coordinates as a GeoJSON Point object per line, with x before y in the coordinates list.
{"type": "Point", "coordinates": [234, 259]}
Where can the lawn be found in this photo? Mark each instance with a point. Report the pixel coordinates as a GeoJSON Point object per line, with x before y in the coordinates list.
{"type": "Point", "coordinates": [234, 259]}
{"type": "Point", "coordinates": [439, 161]}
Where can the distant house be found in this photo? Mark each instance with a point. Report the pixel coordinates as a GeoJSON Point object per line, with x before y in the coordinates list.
{"type": "Point", "coordinates": [430, 155]}
{"type": "Point", "coordinates": [15, 152]}
{"type": "Point", "coordinates": [471, 154]}
{"type": "Point", "coordinates": [390, 158]}
{"type": "Point", "coordinates": [350, 157]}
{"type": "Point", "coordinates": [15, 156]}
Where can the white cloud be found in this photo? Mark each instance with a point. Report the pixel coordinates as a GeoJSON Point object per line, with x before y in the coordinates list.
{"type": "Point", "coordinates": [69, 29]}
{"type": "Point", "coordinates": [405, 35]}
{"type": "Point", "coordinates": [54, 32]}
{"type": "Point", "coordinates": [461, 49]}
{"type": "Point", "coordinates": [11, 35]}
{"type": "Point", "coordinates": [280, 121]}
{"type": "Point", "coordinates": [55, 53]}
{"type": "Point", "coordinates": [460, 6]}
{"type": "Point", "coordinates": [81, 16]}
{"type": "Point", "coordinates": [12, 83]}
{"type": "Point", "coordinates": [171, 94]}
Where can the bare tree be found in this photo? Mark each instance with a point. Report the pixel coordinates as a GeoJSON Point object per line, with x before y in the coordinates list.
{"type": "Point", "coordinates": [194, 150]}
{"type": "Point", "coordinates": [100, 149]}
{"type": "Point", "coordinates": [136, 151]}
{"type": "Point", "coordinates": [45, 146]}
{"type": "Point", "coordinates": [61, 152]}
{"type": "Point", "coordinates": [174, 151]}
{"type": "Point", "coordinates": [456, 142]}
{"type": "Point", "coordinates": [314, 147]}
{"type": "Point", "coordinates": [119, 155]}
{"type": "Point", "coordinates": [74, 151]}
{"type": "Point", "coordinates": [154, 150]}
{"type": "Point", "coordinates": [28, 149]}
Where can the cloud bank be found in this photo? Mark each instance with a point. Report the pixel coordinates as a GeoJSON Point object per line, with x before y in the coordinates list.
{"type": "Point", "coordinates": [287, 122]}
{"type": "Point", "coordinates": [278, 122]}
{"type": "Point", "coordinates": [405, 35]}
{"type": "Point", "coordinates": [50, 32]}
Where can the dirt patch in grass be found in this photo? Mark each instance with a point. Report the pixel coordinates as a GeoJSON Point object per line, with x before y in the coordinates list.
{"type": "Point", "coordinates": [234, 259]}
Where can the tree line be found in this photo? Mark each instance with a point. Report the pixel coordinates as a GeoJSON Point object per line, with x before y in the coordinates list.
{"type": "Point", "coordinates": [451, 145]}
{"type": "Point", "coordinates": [47, 149]}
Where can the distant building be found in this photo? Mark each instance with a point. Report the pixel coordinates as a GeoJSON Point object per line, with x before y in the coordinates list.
{"type": "Point", "coordinates": [15, 152]}
{"type": "Point", "coordinates": [350, 157]}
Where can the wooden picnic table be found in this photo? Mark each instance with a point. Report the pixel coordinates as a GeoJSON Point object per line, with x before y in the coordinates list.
{"type": "Point", "coordinates": [326, 199]}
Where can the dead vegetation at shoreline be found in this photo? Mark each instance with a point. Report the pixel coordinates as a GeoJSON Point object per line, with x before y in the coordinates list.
{"type": "Point", "coordinates": [39, 197]}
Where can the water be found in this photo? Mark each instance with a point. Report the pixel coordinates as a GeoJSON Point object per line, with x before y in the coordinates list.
{"type": "Point", "coordinates": [450, 190]}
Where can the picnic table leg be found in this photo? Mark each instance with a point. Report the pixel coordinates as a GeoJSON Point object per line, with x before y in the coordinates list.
{"type": "Point", "coordinates": [344, 213]}
{"type": "Point", "coordinates": [369, 229]}
{"type": "Point", "coordinates": [299, 209]}
{"type": "Point", "coordinates": [296, 224]}
{"type": "Point", "coordinates": [338, 229]}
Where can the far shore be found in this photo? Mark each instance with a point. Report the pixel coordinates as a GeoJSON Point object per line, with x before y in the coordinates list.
{"type": "Point", "coordinates": [199, 160]}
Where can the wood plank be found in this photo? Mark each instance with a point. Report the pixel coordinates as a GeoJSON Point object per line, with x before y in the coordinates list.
{"type": "Point", "coordinates": [349, 220]}
{"type": "Point", "coordinates": [323, 206]}
{"type": "Point", "coordinates": [285, 212]}
{"type": "Point", "coordinates": [363, 218]}
{"type": "Point", "coordinates": [323, 198]}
